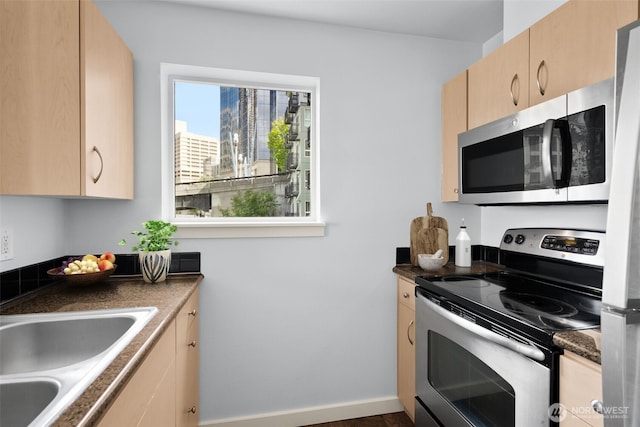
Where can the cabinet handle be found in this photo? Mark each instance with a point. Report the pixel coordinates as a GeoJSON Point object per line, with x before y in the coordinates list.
{"type": "Point", "coordinates": [95, 149]}
{"type": "Point", "coordinates": [455, 190]}
{"type": "Point", "coordinates": [597, 406]}
{"type": "Point", "coordinates": [540, 88]}
{"type": "Point", "coordinates": [405, 295]}
{"type": "Point", "coordinates": [193, 312]}
{"type": "Point", "coordinates": [408, 332]}
{"type": "Point", "coordinates": [192, 410]}
{"type": "Point", "coordinates": [192, 344]}
{"type": "Point", "coordinates": [515, 98]}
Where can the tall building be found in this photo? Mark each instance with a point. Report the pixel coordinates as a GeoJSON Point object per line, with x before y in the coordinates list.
{"type": "Point", "coordinates": [196, 156]}
{"type": "Point", "coordinates": [245, 122]}
{"type": "Point", "coordinates": [298, 190]}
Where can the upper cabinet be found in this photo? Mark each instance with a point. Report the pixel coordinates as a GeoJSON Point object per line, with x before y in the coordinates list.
{"type": "Point", "coordinates": [499, 82]}
{"type": "Point", "coordinates": [572, 47]}
{"type": "Point", "coordinates": [67, 102]}
{"type": "Point", "coordinates": [454, 121]}
{"type": "Point", "coordinates": [575, 45]}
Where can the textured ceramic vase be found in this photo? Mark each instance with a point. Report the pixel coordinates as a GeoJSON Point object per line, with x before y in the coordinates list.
{"type": "Point", "coordinates": [155, 265]}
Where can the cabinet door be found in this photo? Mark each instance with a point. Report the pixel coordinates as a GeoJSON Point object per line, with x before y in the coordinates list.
{"type": "Point", "coordinates": [40, 101]}
{"type": "Point", "coordinates": [107, 108]}
{"type": "Point", "coordinates": [406, 350]}
{"type": "Point", "coordinates": [454, 121]}
{"type": "Point", "coordinates": [499, 82]}
{"type": "Point", "coordinates": [574, 46]}
{"type": "Point", "coordinates": [580, 384]}
{"type": "Point", "coordinates": [187, 353]}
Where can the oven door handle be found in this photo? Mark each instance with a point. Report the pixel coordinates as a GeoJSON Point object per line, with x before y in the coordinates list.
{"type": "Point", "coordinates": [529, 351]}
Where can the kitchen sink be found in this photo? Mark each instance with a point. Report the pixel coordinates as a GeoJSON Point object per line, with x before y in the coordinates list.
{"type": "Point", "coordinates": [21, 402]}
{"type": "Point", "coordinates": [47, 360]}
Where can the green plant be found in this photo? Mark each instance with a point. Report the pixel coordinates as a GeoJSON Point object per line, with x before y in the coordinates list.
{"type": "Point", "coordinates": [157, 237]}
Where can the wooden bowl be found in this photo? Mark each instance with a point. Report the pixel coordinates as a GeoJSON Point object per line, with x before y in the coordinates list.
{"type": "Point", "coordinates": [81, 279]}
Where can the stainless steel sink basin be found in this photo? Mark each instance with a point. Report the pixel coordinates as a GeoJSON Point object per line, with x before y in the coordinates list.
{"type": "Point", "coordinates": [21, 402]}
{"type": "Point", "coordinates": [51, 358]}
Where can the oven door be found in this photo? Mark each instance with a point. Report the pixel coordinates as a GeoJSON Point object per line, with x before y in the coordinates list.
{"type": "Point", "coordinates": [467, 375]}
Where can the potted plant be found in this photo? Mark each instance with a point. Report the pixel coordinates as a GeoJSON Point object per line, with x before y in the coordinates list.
{"type": "Point", "coordinates": [154, 249]}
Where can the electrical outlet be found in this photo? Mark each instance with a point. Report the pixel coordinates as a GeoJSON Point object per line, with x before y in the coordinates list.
{"type": "Point", "coordinates": [6, 244]}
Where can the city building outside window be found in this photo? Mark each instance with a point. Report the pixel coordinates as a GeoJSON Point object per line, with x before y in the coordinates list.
{"type": "Point", "coordinates": [240, 152]}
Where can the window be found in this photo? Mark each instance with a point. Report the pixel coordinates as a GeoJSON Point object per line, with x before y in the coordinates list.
{"type": "Point", "coordinates": [240, 152]}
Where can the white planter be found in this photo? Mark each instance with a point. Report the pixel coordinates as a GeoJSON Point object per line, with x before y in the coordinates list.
{"type": "Point", "coordinates": [155, 265]}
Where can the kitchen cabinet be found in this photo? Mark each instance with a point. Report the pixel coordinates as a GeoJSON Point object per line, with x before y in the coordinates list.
{"type": "Point", "coordinates": [406, 349]}
{"type": "Point", "coordinates": [575, 46]}
{"type": "Point", "coordinates": [580, 384]}
{"type": "Point", "coordinates": [499, 82]}
{"type": "Point", "coordinates": [67, 102]}
{"type": "Point", "coordinates": [187, 358]}
{"type": "Point", "coordinates": [454, 121]}
{"type": "Point", "coordinates": [165, 386]}
{"type": "Point", "coordinates": [149, 397]}
{"type": "Point", "coordinates": [572, 47]}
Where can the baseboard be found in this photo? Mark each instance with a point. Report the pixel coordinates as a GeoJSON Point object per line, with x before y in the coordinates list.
{"type": "Point", "coordinates": [313, 415]}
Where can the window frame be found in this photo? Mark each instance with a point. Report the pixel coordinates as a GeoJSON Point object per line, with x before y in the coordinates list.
{"type": "Point", "coordinates": [221, 227]}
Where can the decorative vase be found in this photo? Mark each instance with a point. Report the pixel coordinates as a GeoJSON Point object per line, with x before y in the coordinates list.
{"type": "Point", "coordinates": [155, 265]}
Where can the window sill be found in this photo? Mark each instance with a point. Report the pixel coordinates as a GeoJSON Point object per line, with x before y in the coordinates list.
{"type": "Point", "coordinates": [249, 230]}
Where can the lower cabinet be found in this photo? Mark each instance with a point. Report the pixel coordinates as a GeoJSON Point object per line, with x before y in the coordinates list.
{"type": "Point", "coordinates": [580, 384]}
{"type": "Point", "coordinates": [164, 389]}
{"type": "Point", "coordinates": [406, 349]}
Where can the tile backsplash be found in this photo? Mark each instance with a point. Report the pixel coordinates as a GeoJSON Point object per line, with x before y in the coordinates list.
{"type": "Point", "coordinates": [20, 281]}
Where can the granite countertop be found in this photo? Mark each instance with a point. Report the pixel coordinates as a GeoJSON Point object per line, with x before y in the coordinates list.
{"type": "Point", "coordinates": [116, 292]}
{"type": "Point", "coordinates": [582, 343]}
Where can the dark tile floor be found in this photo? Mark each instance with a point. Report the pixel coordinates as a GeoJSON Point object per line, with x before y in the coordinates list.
{"type": "Point", "coordinates": [396, 419]}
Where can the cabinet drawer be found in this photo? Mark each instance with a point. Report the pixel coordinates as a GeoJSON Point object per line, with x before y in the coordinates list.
{"type": "Point", "coordinates": [580, 383]}
{"type": "Point", "coordinates": [407, 293]}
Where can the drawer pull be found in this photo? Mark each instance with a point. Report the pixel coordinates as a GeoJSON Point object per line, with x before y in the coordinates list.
{"type": "Point", "coordinates": [597, 406]}
{"type": "Point", "coordinates": [193, 312]}
{"type": "Point", "coordinates": [405, 294]}
{"type": "Point", "coordinates": [515, 97]}
{"type": "Point", "coordinates": [192, 410]}
{"type": "Point", "coordinates": [95, 179]}
{"type": "Point", "coordinates": [409, 332]}
{"type": "Point", "coordinates": [192, 344]}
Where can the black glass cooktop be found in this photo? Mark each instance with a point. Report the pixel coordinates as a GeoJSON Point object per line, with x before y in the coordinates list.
{"type": "Point", "coordinates": [524, 303]}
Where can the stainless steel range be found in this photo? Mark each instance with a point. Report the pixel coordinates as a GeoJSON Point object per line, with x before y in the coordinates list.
{"type": "Point", "coordinates": [484, 343]}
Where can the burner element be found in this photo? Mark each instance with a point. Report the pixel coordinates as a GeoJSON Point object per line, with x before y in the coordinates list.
{"type": "Point", "coordinates": [523, 303]}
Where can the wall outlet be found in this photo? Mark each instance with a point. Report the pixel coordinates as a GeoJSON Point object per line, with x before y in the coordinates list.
{"type": "Point", "coordinates": [6, 244]}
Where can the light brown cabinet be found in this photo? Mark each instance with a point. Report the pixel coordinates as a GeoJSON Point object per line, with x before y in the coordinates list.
{"type": "Point", "coordinates": [574, 46]}
{"type": "Point", "coordinates": [580, 384]}
{"type": "Point", "coordinates": [454, 122]}
{"type": "Point", "coordinates": [406, 348]}
{"type": "Point", "coordinates": [187, 358]}
{"type": "Point", "coordinates": [499, 82]}
{"type": "Point", "coordinates": [165, 387]}
{"type": "Point", "coordinates": [67, 102]}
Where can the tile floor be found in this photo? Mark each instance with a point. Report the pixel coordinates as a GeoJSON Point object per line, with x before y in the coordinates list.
{"type": "Point", "coordinates": [396, 419]}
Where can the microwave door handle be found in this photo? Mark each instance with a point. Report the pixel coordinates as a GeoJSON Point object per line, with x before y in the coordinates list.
{"type": "Point", "coordinates": [529, 351]}
{"type": "Point", "coordinates": [547, 150]}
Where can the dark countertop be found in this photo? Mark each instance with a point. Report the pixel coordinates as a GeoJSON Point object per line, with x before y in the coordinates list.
{"type": "Point", "coordinates": [579, 342]}
{"type": "Point", "coordinates": [116, 292]}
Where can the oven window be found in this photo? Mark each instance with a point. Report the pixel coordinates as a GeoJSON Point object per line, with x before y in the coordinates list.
{"type": "Point", "coordinates": [471, 386]}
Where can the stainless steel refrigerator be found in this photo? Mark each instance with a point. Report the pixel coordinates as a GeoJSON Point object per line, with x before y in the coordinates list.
{"type": "Point", "coordinates": [621, 283]}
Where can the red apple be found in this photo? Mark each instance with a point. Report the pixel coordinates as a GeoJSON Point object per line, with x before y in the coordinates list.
{"type": "Point", "coordinates": [105, 264]}
{"type": "Point", "coordinates": [109, 256]}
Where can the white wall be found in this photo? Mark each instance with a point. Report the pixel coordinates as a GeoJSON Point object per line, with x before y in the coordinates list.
{"type": "Point", "coordinates": [293, 323]}
{"type": "Point", "coordinates": [519, 15]}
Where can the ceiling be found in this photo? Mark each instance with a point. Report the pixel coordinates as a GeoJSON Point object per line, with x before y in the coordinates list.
{"type": "Point", "coordinates": [461, 20]}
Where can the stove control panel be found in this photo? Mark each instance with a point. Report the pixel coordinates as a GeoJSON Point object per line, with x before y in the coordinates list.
{"type": "Point", "coordinates": [584, 246]}
{"type": "Point", "coordinates": [571, 244]}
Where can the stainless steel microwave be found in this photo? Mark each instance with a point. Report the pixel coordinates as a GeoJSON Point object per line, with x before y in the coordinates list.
{"type": "Point", "coordinates": [555, 152]}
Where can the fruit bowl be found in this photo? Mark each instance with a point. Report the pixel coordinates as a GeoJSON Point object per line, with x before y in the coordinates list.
{"type": "Point", "coordinates": [83, 278]}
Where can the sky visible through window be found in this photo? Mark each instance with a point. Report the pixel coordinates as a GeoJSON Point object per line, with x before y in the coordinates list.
{"type": "Point", "coordinates": [198, 104]}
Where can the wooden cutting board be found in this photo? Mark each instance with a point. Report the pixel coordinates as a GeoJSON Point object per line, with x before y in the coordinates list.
{"type": "Point", "coordinates": [427, 235]}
